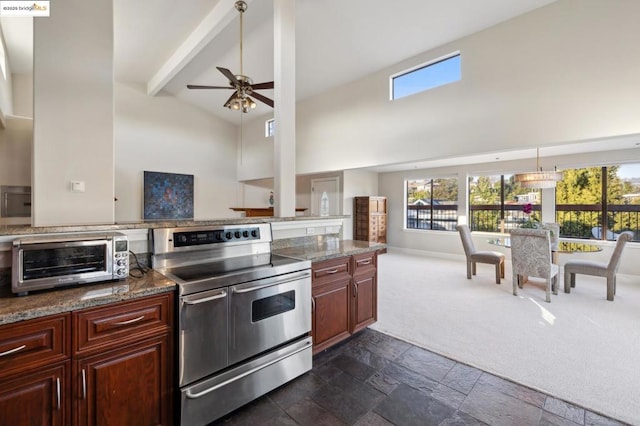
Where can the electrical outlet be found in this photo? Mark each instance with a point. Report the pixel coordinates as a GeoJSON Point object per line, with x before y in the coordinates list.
{"type": "Point", "coordinates": [311, 231]}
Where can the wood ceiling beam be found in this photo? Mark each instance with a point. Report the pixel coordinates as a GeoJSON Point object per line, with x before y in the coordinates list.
{"type": "Point", "coordinates": [216, 20]}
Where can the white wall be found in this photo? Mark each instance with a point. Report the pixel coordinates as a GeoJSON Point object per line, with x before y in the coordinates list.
{"type": "Point", "coordinates": [391, 185]}
{"type": "Point", "coordinates": [23, 95]}
{"type": "Point", "coordinates": [73, 114]}
{"type": "Point", "coordinates": [561, 73]}
{"type": "Point", "coordinates": [162, 134]}
{"type": "Point", "coordinates": [6, 91]}
{"type": "Point", "coordinates": [255, 151]}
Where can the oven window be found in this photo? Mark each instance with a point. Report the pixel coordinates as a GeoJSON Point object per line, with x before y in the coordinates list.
{"type": "Point", "coordinates": [63, 261]}
{"type": "Point", "coordinates": [274, 305]}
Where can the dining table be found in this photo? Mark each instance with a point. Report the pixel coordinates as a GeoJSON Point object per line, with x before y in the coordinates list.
{"type": "Point", "coordinates": [561, 247]}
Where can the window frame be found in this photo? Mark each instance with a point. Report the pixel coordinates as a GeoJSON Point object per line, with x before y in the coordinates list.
{"type": "Point", "coordinates": [419, 67]}
{"type": "Point", "coordinates": [432, 217]}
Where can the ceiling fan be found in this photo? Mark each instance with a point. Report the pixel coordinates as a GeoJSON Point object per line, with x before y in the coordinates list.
{"type": "Point", "coordinates": [241, 84]}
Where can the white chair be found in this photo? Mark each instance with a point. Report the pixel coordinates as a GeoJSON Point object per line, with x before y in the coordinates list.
{"type": "Point", "coordinates": [474, 256]}
{"type": "Point", "coordinates": [598, 269]}
{"type": "Point", "coordinates": [531, 257]}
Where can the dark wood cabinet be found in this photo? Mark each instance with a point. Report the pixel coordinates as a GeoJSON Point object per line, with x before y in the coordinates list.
{"type": "Point", "coordinates": [122, 359]}
{"type": "Point", "coordinates": [370, 219]}
{"type": "Point", "coordinates": [124, 386]}
{"type": "Point", "coordinates": [40, 397]}
{"type": "Point", "coordinates": [344, 294]}
{"type": "Point", "coordinates": [34, 371]}
{"type": "Point", "coordinates": [331, 292]}
{"type": "Point", "coordinates": [365, 298]}
{"type": "Point", "coordinates": [108, 365]}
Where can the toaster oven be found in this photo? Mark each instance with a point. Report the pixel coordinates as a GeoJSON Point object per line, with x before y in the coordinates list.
{"type": "Point", "coordinates": [47, 262]}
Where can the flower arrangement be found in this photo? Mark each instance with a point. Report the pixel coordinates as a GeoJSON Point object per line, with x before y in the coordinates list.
{"type": "Point", "coordinates": [531, 221]}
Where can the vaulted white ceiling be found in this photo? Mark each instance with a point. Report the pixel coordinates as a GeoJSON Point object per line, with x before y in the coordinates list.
{"type": "Point", "coordinates": [337, 41]}
{"type": "Point", "coordinates": [163, 45]}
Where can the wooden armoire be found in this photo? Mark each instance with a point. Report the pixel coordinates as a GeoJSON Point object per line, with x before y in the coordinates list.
{"type": "Point", "coordinates": [370, 219]}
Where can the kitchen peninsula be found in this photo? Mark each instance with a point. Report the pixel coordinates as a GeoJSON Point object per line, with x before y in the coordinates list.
{"type": "Point", "coordinates": [116, 327]}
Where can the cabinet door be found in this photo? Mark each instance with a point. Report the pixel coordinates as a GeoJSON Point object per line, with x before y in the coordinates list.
{"type": "Point", "coordinates": [330, 313]}
{"type": "Point", "coordinates": [364, 301]}
{"type": "Point", "coordinates": [128, 386]}
{"type": "Point", "coordinates": [41, 398]}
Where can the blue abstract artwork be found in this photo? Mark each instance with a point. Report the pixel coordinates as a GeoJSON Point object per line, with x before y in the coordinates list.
{"type": "Point", "coordinates": [168, 196]}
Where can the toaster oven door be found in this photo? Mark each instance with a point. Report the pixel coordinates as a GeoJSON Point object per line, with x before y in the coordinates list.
{"type": "Point", "coordinates": [42, 266]}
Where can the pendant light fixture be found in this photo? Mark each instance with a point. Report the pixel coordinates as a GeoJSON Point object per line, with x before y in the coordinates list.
{"type": "Point", "coordinates": [538, 179]}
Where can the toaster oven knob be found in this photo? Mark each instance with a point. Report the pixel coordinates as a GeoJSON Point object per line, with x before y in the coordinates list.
{"type": "Point", "coordinates": [237, 234]}
{"type": "Point", "coordinates": [228, 235]}
{"type": "Point", "coordinates": [120, 271]}
{"type": "Point", "coordinates": [245, 234]}
{"type": "Point", "coordinates": [254, 233]}
{"type": "Point", "coordinates": [120, 262]}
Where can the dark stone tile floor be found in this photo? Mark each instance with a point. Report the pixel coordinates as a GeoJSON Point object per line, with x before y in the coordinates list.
{"type": "Point", "coordinates": [375, 379]}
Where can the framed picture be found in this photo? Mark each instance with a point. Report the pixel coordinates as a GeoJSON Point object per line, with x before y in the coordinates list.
{"type": "Point", "coordinates": [167, 196]}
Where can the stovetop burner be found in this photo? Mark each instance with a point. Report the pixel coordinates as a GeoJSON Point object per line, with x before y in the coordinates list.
{"type": "Point", "coordinates": [200, 259]}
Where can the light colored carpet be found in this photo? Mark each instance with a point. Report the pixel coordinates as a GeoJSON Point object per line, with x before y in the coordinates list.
{"type": "Point", "coordinates": [580, 347]}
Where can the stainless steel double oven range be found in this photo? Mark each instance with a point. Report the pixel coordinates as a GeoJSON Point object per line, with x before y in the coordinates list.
{"type": "Point", "coordinates": [244, 315]}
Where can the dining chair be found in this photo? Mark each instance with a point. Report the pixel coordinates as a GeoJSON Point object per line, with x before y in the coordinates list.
{"type": "Point", "coordinates": [474, 256]}
{"type": "Point", "coordinates": [531, 257]}
{"type": "Point", "coordinates": [599, 269]}
{"type": "Point", "coordinates": [554, 229]}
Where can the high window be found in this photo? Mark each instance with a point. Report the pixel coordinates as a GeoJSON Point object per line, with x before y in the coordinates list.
{"type": "Point", "coordinates": [599, 202]}
{"type": "Point", "coordinates": [432, 204]}
{"type": "Point", "coordinates": [268, 128]}
{"type": "Point", "coordinates": [439, 72]}
{"type": "Point", "coordinates": [497, 203]}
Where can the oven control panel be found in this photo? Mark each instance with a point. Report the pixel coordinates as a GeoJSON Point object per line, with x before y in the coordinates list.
{"type": "Point", "coordinates": [195, 238]}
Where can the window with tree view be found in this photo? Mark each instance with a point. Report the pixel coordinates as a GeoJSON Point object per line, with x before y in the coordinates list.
{"type": "Point", "coordinates": [497, 203]}
{"type": "Point", "coordinates": [599, 202]}
{"type": "Point", "coordinates": [432, 204]}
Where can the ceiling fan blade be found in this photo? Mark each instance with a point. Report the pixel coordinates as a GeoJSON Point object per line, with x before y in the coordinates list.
{"type": "Point", "coordinates": [228, 102]}
{"type": "Point", "coordinates": [195, 86]}
{"type": "Point", "coordinates": [263, 99]}
{"type": "Point", "coordinates": [266, 85]}
{"type": "Point", "coordinates": [232, 78]}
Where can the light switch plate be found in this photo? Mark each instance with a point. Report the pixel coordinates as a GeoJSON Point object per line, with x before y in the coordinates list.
{"type": "Point", "coordinates": [77, 186]}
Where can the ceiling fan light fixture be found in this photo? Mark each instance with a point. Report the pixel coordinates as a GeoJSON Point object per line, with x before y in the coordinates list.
{"type": "Point", "coordinates": [240, 83]}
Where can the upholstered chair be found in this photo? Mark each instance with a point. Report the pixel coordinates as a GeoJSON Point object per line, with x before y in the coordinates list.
{"type": "Point", "coordinates": [474, 256]}
{"type": "Point", "coordinates": [554, 228]}
{"type": "Point", "coordinates": [599, 269]}
{"type": "Point", "coordinates": [531, 257]}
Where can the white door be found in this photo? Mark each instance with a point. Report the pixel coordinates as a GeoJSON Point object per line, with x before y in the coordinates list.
{"type": "Point", "coordinates": [331, 187]}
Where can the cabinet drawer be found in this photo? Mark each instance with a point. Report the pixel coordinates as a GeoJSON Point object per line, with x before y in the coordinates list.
{"type": "Point", "coordinates": [329, 270]}
{"type": "Point", "coordinates": [32, 343]}
{"type": "Point", "coordinates": [364, 263]}
{"type": "Point", "coordinates": [104, 327]}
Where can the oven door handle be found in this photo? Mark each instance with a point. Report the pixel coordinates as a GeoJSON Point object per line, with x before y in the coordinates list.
{"type": "Point", "coordinates": [220, 295]}
{"type": "Point", "coordinates": [271, 283]}
{"type": "Point", "coordinates": [196, 395]}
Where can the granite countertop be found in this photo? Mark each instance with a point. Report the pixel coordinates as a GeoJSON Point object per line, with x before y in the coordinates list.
{"type": "Point", "coordinates": [17, 308]}
{"type": "Point", "coordinates": [329, 250]}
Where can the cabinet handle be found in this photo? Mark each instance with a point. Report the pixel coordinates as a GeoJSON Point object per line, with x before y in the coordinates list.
{"type": "Point", "coordinates": [84, 384]}
{"type": "Point", "coordinates": [313, 304]}
{"type": "Point", "coordinates": [131, 321]}
{"type": "Point", "coordinates": [12, 351]}
{"type": "Point", "coordinates": [365, 262]}
{"type": "Point", "coordinates": [355, 289]}
{"type": "Point", "coordinates": [332, 271]}
{"type": "Point", "coordinates": [58, 393]}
